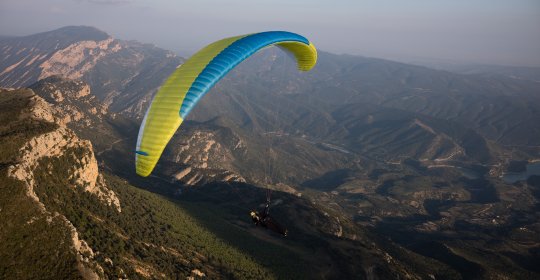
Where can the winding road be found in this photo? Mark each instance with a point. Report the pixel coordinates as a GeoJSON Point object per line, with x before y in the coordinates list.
{"type": "Point", "coordinates": [111, 146]}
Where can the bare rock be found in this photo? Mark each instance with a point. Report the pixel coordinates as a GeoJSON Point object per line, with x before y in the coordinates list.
{"type": "Point", "coordinates": [78, 58]}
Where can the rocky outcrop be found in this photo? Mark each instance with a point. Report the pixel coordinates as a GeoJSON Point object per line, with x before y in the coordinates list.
{"type": "Point", "coordinates": [72, 100]}
{"type": "Point", "coordinates": [24, 60]}
{"type": "Point", "coordinates": [78, 58]}
{"type": "Point", "coordinates": [55, 144]}
{"type": "Point", "coordinates": [71, 62]}
{"type": "Point", "coordinates": [199, 148]}
{"type": "Point", "coordinates": [75, 106]}
{"type": "Point", "coordinates": [85, 255]}
{"type": "Point", "coordinates": [202, 157]}
{"type": "Point", "coordinates": [61, 142]}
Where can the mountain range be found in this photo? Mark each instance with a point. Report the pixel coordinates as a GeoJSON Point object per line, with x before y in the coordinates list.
{"type": "Point", "coordinates": [380, 169]}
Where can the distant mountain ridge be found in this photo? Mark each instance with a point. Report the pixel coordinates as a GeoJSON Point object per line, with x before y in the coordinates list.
{"type": "Point", "coordinates": [116, 70]}
{"type": "Point", "coordinates": [530, 73]}
{"type": "Point", "coordinates": [24, 58]}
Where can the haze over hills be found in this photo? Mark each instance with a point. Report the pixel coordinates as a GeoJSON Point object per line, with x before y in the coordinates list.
{"type": "Point", "coordinates": [514, 72]}
{"type": "Point", "coordinates": [370, 159]}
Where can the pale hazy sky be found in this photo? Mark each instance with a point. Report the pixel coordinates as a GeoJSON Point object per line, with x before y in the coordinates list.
{"type": "Point", "coordinates": [503, 32]}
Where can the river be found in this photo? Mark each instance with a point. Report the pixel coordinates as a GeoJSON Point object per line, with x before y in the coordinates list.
{"type": "Point", "coordinates": [532, 169]}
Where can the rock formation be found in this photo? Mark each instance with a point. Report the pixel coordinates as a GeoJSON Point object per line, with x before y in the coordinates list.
{"type": "Point", "coordinates": [57, 143]}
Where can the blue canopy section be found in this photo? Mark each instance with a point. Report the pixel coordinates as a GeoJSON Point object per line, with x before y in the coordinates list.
{"type": "Point", "coordinates": [228, 59]}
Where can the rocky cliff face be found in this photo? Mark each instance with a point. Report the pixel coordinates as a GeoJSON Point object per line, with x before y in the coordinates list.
{"type": "Point", "coordinates": [204, 157]}
{"type": "Point", "coordinates": [25, 60]}
{"type": "Point", "coordinates": [78, 58]}
{"type": "Point", "coordinates": [57, 143]}
{"type": "Point", "coordinates": [75, 106]}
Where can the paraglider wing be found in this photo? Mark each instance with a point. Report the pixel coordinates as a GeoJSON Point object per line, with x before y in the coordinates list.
{"type": "Point", "coordinates": [190, 82]}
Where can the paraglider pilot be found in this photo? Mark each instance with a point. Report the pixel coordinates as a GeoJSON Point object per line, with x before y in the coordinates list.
{"type": "Point", "coordinates": [264, 220]}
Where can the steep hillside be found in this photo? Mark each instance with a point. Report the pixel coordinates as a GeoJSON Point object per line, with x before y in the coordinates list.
{"type": "Point", "coordinates": [77, 107]}
{"type": "Point", "coordinates": [271, 159]}
{"type": "Point", "coordinates": [37, 241]}
{"type": "Point", "coordinates": [64, 219]}
{"type": "Point", "coordinates": [390, 134]}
